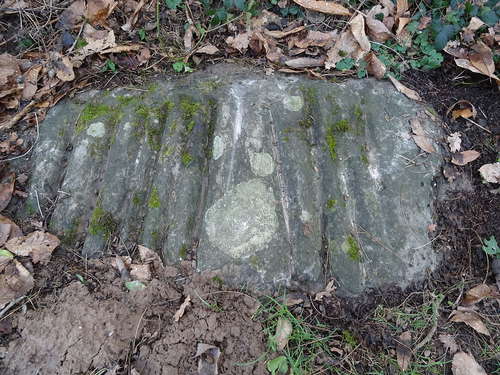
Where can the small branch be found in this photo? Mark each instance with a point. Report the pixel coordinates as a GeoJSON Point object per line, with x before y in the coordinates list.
{"type": "Point", "coordinates": [432, 331]}
{"type": "Point", "coordinates": [18, 116]}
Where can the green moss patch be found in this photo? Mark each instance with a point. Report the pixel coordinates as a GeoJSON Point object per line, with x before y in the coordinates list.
{"type": "Point", "coordinates": [91, 112]}
{"type": "Point", "coordinates": [154, 199]}
{"type": "Point", "coordinates": [353, 249]}
{"type": "Point", "coordinates": [102, 223]}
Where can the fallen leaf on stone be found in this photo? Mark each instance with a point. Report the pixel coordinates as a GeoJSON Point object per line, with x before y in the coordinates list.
{"type": "Point", "coordinates": [6, 190]}
{"type": "Point", "coordinates": [471, 319]}
{"type": "Point", "coordinates": [329, 290]}
{"type": "Point", "coordinates": [412, 94]}
{"type": "Point", "coordinates": [140, 272]}
{"type": "Point", "coordinates": [180, 312]}
{"type": "Point", "coordinates": [432, 227]}
{"type": "Point", "coordinates": [478, 293]}
{"type": "Point", "coordinates": [283, 331]}
{"type": "Point", "coordinates": [449, 343]}
{"type": "Point", "coordinates": [375, 67]}
{"type": "Point", "coordinates": [328, 7]}
{"type": "Point", "coordinates": [134, 285]}
{"type": "Point", "coordinates": [465, 364]}
{"type": "Point", "coordinates": [416, 126]}
{"type": "Point", "coordinates": [305, 62]}
{"type": "Point", "coordinates": [491, 172]}
{"type": "Point", "coordinates": [208, 49]}
{"type": "Point", "coordinates": [358, 31]}
{"type": "Point", "coordinates": [465, 157]}
{"type": "Point", "coordinates": [454, 141]}
{"type": "Point", "coordinates": [38, 245]}
{"type": "Point", "coordinates": [403, 350]}
{"type": "Point", "coordinates": [424, 143]}
{"type": "Point", "coordinates": [208, 359]}
{"type": "Point", "coordinates": [15, 281]}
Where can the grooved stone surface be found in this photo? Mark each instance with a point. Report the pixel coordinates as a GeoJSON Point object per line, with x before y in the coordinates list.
{"type": "Point", "coordinates": [270, 179]}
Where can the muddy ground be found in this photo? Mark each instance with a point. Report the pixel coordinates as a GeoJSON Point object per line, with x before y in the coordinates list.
{"type": "Point", "coordinates": [80, 319]}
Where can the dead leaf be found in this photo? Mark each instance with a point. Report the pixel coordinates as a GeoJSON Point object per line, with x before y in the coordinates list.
{"type": "Point", "coordinates": [358, 31]}
{"type": "Point", "coordinates": [424, 143]}
{"type": "Point", "coordinates": [9, 228]}
{"type": "Point", "coordinates": [403, 350]}
{"type": "Point", "coordinates": [377, 29]}
{"type": "Point", "coordinates": [6, 190]}
{"type": "Point", "coordinates": [99, 10]}
{"type": "Point", "coordinates": [403, 21]}
{"type": "Point", "coordinates": [328, 7]}
{"type": "Point", "coordinates": [180, 312]}
{"type": "Point", "coordinates": [188, 37]}
{"type": "Point", "coordinates": [478, 293]}
{"type": "Point", "coordinates": [454, 141]}
{"type": "Point", "coordinates": [491, 172]}
{"type": "Point", "coordinates": [375, 67]}
{"type": "Point", "coordinates": [471, 319]}
{"type": "Point", "coordinates": [239, 42]}
{"type": "Point", "coordinates": [143, 56]}
{"type": "Point", "coordinates": [278, 34]}
{"type": "Point", "coordinates": [38, 245]}
{"type": "Point", "coordinates": [401, 7]}
{"type": "Point", "coordinates": [293, 301]}
{"type": "Point", "coordinates": [283, 331]}
{"type": "Point", "coordinates": [346, 46]}
{"type": "Point", "coordinates": [416, 126]}
{"type": "Point", "coordinates": [329, 290]}
{"type": "Point", "coordinates": [208, 358]}
{"type": "Point", "coordinates": [465, 109]}
{"type": "Point", "coordinates": [122, 48]}
{"type": "Point", "coordinates": [412, 94]}
{"type": "Point", "coordinates": [432, 227]}
{"type": "Point", "coordinates": [63, 66]}
{"type": "Point", "coordinates": [133, 18]}
{"type": "Point", "coordinates": [305, 62]}
{"type": "Point", "coordinates": [449, 343]}
{"type": "Point", "coordinates": [482, 59]}
{"type": "Point", "coordinates": [316, 39]}
{"type": "Point", "coordinates": [73, 14]}
{"type": "Point", "coordinates": [97, 41]}
{"type": "Point", "coordinates": [424, 21]}
{"type": "Point", "coordinates": [465, 157]}
{"type": "Point", "coordinates": [119, 262]}
{"type": "Point", "coordinates": [208, 49]}
{"type": "Point", "coordinates": [465, 364]}
{"type": "Point", "coordinates": [15, 281]}
{"type": "Point", "coordinates": [31, 82]}
{"type": "Point", "coordinates": [140, 272]}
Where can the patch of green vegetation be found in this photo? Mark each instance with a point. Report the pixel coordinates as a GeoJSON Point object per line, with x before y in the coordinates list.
{"type": "Point", "coordinates": [126, 100]}
{"type": "Point", "coordinates": [364, 154]}
{"type": "Point", "coordinates": [166, 152]}
{"type": "Point", "coordinates": [154, 199]}
{"type": "Point", "coordinates": [183, 251]}
{"type": "Point", "coordinates": [331, 142]}
{"type": "Point", "coordinates": [353, 249]}
{"type": "Point", "coordinates": [102, 223]}
{"type": "Point", "coordinates": [155, 235]}
{"type": "Point", "coordinates": [358, 113]}
{"type": "Point", "coordinates": [331, 203]}
{"type": "Point", "coordinates": [186, 159]}
{"type": "Point", "coordinates": [137, 199]}
{"type": "Point", "coordinates": [349, 338]}
{"type": "Point", "coordinates": [189, 109]}
{"type": "Point", "coordinates": [70, 235]}
{"type": "Point", "coordinates": [91, 112]}
{"type": "Point", "coordinates": [307, 341]}
{"type": "Point", "coordinates": [209, 86]}
{"type": "Point", "coordinates": [342, 126]}
{"type": "Point", "coordinates": [490, 247]}
{"type": "Point", "coordinates": [30, 208]}
{"type": "Point", "coordinates": [310, 101]}
{"type": "Point", "coordinates": [218, 280]}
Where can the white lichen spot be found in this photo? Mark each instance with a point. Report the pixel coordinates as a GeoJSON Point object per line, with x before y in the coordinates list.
{"type": "Point", "coordinates": [244, 220]}
{"type": "Point", "coordinates": [96, 130]}
{"type": "Point", "coordinates": [305, 216]}
{"type": "Point", "coordinates": [293, 103]}
{"type": "Point", "coordinates": [262, 163]}
{"type": "Point", "coordinates": [218, 147]}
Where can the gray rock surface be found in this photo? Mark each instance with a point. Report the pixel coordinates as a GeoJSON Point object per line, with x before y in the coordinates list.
{"type": "Point", "coordinates": [272, 180]}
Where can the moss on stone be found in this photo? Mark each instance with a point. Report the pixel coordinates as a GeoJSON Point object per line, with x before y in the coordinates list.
{"type": "Point", "coordinates": [101, 223]}
{"type": "Point", "coordinates": [353, 250]}
{"type": "Point", "coordinates": [342, 126]}
{"type": "Point", "coordinates": [358, 113]}
{"type": "Point", "coordinates": [154, 199]}
{"type": "Point", "coordinates": [186, 158]}
{"type": "Point", "coordinates": [364, 154]}
{"type": "Point", "coordinates": [331, 203]}
{"type": "Point", "coordinates": [189, 108]}
{"type": "Point", "coordinates": [331, 142]}
{"type": "Point", "coordinates": [136, 199]}
{"type": "Point", "coordinates": [91, 112]}
{"type": "Point", "coordinates": [183, 251]}
{"type": "Point", "coordinates": [310, 101]}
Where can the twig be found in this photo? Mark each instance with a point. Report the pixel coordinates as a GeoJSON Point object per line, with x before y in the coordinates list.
{"type": "Point", "coordinates": [38, 204]}
{"type": "Point", "coordinates": [479, 126]}
{"type": "Point", "coordinates": [18, 116]}
{"type": "Point", "coordinates": [31, 148]}
{"type": "Point", "coordinates": [11, 303]}
{"type": "Point", "coordinates": [435, 313]}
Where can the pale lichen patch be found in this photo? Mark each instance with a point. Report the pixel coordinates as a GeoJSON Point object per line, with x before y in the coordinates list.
{"type": "Point", "coordinates": [293, 103]}
{"type": "Point", "coordinates": [218, 147]}
{"type": "Point", "coordinates": [96, 130]}
{"type": "Point", "coordinates": [244, 220]}
{"type": "Point", "coordinates": [262, 163]}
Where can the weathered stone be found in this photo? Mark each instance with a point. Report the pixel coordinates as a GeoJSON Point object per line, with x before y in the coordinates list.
{"type": "Point", "coordinates": [272, 180]}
